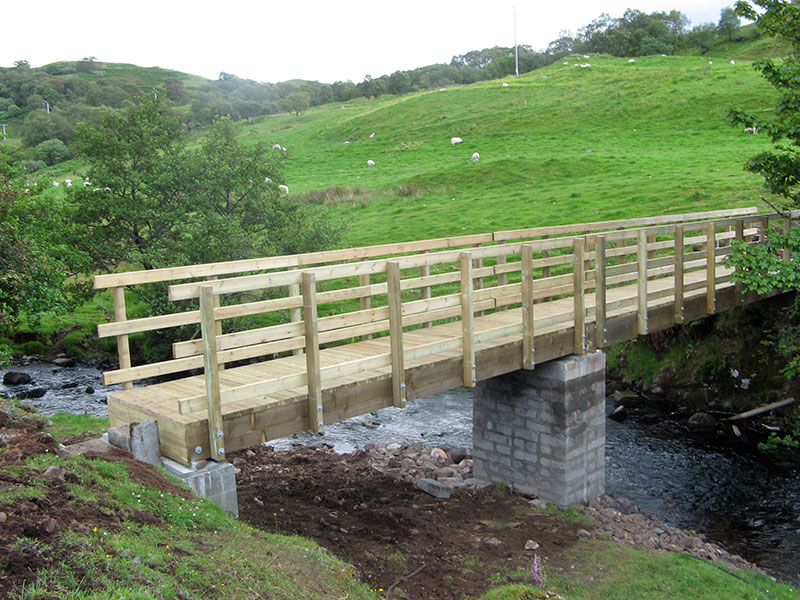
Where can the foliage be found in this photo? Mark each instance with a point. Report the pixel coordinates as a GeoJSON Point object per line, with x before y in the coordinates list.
{"type": "Point", "coordinates": [51, 152]}
{"type": "Point", "coordinates": [296, 103]}
{"type": "Point", "coordinates": [728, 22]}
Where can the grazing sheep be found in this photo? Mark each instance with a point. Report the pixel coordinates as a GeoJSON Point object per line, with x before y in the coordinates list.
{"type": "Point", "coordinates": [455, 140]}
{"type": "Point", "coordinates": [68, 182]}
{"type": "Point", "coordinates": [585, 65]}
{"type": "Point", "coordinates": [565, 62]}
{"type": "Point", "coordinates": [284, 188]}
{"type": "Point", "coordinates": [283, 148]}
{"type": "Point", "coordinates": [267, 180]}
{"type": "Point", "coordinates": [753, 130]}
{"type": "Point", "coordinates": [370, 163]}
{"type": "Point", "coordinates": [276, 146]}
{"type": "Point", "coordinates": [372, 135]}
{"type": "Point", "coordinates": [630, 60]}
{"type": "Point", "coordinates": [476, 157]}
{"type": "Point", "coordinates": [55, 183]}
{"type": "Point", "coordinates": [733, 62]}
{"type": "Point", "coordinates": [505, 84]}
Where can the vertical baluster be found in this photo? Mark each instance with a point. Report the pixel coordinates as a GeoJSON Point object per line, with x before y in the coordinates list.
{"type": "Point", "coordinates": [641, 255]}
{"type": "Point", "coordinates": [123, 345]}
{"type": "Point", "coordinates": [396, 333]}
{"type": "Point", "coordinates": [315, 417]}
{"type": "Point", "coordinates": [468, 321]}
{"type": "Point", "coordinates": [601, 331]}
{"type": "Point", "coordinates": [216, 436]}
{"type": "Point", "coordinates": [579, 289]}
{"type": "Point", "coordinates": [678, 305]}
{"type": "Point", "coordinates": [711, 268]}
{"type": "Point", "coordinates": [528, 351]}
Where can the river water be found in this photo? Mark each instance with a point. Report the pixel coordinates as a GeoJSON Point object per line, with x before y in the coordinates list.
{"type": "Point", "coordinates": [739, 500]}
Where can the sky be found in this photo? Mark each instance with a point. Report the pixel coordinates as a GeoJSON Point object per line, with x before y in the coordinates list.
{"type": "Point", "coordinates": [267, 40]}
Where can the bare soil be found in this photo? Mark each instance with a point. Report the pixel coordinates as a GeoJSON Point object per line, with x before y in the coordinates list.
{"type": "Point", "coordinates": [388, 529]}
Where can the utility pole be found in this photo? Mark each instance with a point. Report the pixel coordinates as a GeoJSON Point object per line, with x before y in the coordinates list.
{"type": "Point", "coordinates": [516, 51]}
{"type": "Point", "coordinates": [46, 105]}
{"type": "Point", "coordinates": [4, 125]}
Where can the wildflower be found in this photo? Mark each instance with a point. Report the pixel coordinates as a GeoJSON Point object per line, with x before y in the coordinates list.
{"type": "Point", "coordinates": [537, 579]}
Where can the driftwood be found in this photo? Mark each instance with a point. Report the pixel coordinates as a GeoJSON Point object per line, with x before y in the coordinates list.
{"type": "Point", "coordinates": [760, 410]}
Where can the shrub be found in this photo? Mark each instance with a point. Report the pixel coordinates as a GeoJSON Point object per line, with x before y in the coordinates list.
{"type": "Point", "coordinates": [52, 152]}
{"type": "Point", "coordinates": [34, 348]}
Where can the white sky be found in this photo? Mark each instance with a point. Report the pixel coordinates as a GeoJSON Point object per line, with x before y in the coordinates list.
{"type": "Point", "coordinates": [274, 41]}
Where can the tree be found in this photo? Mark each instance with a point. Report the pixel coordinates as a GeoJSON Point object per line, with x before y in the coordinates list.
{"type": "Point", "coordinates": [52, 152]}
{"type": "Point", "coordinates": [728, 22]}
{"type": "Point", "coordinates": [759, 267]}
{"type": "Point", "coordinates": [296, 103]}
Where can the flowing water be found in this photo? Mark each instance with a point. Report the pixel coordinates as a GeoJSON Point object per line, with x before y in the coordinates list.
{"type": "Point", "coordinates": [740, 500]}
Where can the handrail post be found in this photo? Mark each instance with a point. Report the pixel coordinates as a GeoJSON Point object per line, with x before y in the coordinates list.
{"type": "Point", "coordinates": [528, 350]}
{"type": "Point", "coordinates": [641, 255]}
{"type": "Point", "coordinates": [546, 270]}
{"type": "Point", "coordinates": [678, 305]}
{"type": "Point", "coordinates": [502, 278]}
{"type": "Point", "coordinates": [365, 301]}
{"type": "Point", "coordinates": [469, 367]}
{"type": "Point", "coordinates": [314, 381]}
{"type": "Point", "coordinates": [123, 345]}
{"type": "Point", "coordinates": [296, 313]}
{"type": "Point", "coordinates": [787, 226]}
{"type": "Point", "coordinates": [399, 397]}
{"type": "Point", "coordinates": [216, 437]}
{"type": "Point", "coordinates": [600, 329]}
{"type": "Point", "coordinates": [477, 284]}
{"type": "Point", "coordinates": [425, 290]}
{"type": "Point", "coordinates": [737, 286]}
{"type": "Point", "coordinates": [218, 323]}
{"type": "Point", "coordinates": [579, 289]}
{"type": "Point", "coordinates": [711, 268]}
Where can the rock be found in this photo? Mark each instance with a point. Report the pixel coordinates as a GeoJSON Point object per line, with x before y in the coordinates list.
{"type": "Point", "coordinates": [3, 517]}
{"type": "Point", "coordinates": [47, 526]}
{"type": "Point", "coordinates": [701, 422]}
{"type": "Point", "coordinates": [394, 448]}
{"type": "Point", "coordinates": [16, 378]}
{"type": "Point", "coordinates": [628, 398]}
{"type": "Point", "coordinates": [492, 542]}
{"type": "Point", "coordinates": [434, 488]}
{"type": "Point", "coordinates": [34, 393]}
{"type": "Point", "coordinates": [120, 436]}
{"type": "Point", "coordinates": [530, 545]}
{"type": "Point", "coordinates": [583, 533]}
{"type": "Point", "coordinates": [145, 443]}
{"type": "Point", "coordinates": [538, 503]}
{"type": "Point", "coordinates": [64, 362]}
{"type": "Point", "coordinates": [89, 390]}
{"type": "Point", "coordinates": [452, 482]}
{"type": "Point", "coordinates": [55, 473]}
{"type": "Point", "coordinates": [458, 454]}
{"type": "Point", "coordinates": [445, 472]}
{"type": "Point", "coordinates": [619, 414]}
{"type": "Point", "coordinates": [439, 456]}
{"type": "Point", "coordinates": [477, 484]}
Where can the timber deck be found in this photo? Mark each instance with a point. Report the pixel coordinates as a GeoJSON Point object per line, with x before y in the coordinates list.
{"type": "Point", "coordinates": [435, 343]}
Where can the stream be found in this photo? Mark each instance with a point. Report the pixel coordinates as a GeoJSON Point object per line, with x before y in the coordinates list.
{"type": "Point", "coordinates": [740, 500]}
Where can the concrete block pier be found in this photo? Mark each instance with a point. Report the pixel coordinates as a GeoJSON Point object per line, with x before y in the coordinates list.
{"type": "Point", "coordinates": [543, 431]}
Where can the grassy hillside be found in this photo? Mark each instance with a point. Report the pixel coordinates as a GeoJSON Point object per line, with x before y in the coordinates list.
{"type": "Point", "coordinates": [562, 144]}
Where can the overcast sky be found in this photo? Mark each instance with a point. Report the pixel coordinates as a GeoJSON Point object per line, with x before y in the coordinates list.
{"type": "Point", "coordinates": [273, 41]}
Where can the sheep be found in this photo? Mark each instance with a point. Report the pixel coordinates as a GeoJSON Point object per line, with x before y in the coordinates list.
{"type": "Point", "coordinates": [733, 62]}
{"type": "Point", "coordinates": [505, 84]}
{"type": "Point", "coordinates": [284, 188]}
{"type": "Point", "coordinates": [267, 180]}
{"type": "Point", "coordinates": [68, 182]}
{"type": "Point", "coordinates": [283, 148]}
{"type": "Point", "coordinates": [455, 140]}
{"type": "Point", "coordinates": [630, 60]}
{"type": "Point", "coordinates": [585, 65]}
{"type": "Point", "coordinates": [370, 163]}
{"type": "Point", "coordinates": [372, 135]}
{"type": "Point", "coordinates": [276, 146]}
{"type": "Point", "coordinates": [476, 157]}
{"type": "Point", "coordinates": [565, 63]}
{"type": "Point", "coordinates": [753, 130]}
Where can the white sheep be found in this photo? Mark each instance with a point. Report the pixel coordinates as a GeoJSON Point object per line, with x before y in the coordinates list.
{"type": "Point", "coordinates": [733, 62]}
{"type": "Point", "coordinates": [276, 146]}
{"type": "Point", "coordinates": [370, 163]}
{"type": "Point", "coordinates": [455, 140]}
{"type": "Point", "coordinates": [476, 157]}
{"type": "Point", "coordinates": [372, 135]}
{"type": "Point", "coordinates": [505, 84]}
{"type": "Point", "coordinates": [68, 182]}
{"type": "Point", "coordinates": [630, 60]}
{"type": "Point", "coordinates": [284, 188]}
{"type": "Point", "coordinates": [753, 130]}
{"type": "Point", "coordinates": [267, 180]}
{"type": "Point", "coordinates": [283, 148]}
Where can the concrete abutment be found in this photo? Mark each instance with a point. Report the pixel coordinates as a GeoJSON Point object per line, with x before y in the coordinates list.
{"type": "Point", "coordinates": [543, 431]}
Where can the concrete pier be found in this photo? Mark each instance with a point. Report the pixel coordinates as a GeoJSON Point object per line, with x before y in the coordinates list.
{"type": "Point", "coordinates": [543, 431]}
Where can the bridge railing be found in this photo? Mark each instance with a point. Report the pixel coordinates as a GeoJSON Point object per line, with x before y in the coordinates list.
{"type": "Point", "coordinates": [461, 284]}
{"type": "Point", "coordinates": [122, 327]}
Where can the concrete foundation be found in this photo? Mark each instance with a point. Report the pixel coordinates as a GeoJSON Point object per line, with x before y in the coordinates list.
{"type": "Point", "coordinates": [543, 431]}
{"type": "Point", "coordinates": [213, 480]}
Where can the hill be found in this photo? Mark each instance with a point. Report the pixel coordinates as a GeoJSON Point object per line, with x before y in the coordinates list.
{"type": "Point", "coordinates": [615, 138]}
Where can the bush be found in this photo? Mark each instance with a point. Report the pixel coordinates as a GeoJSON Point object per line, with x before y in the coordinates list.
{"type": "Point", "coordinates": [34, 348]}
{"type": "Point", "coordinates": [31, 166]}
{"type": "Point", "coordinates": [74, 343]}
{"type": "Point", "coordinates": [52, 152]}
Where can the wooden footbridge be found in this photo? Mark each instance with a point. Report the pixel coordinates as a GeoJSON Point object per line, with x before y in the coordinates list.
{"type": "Point", "coordinates": [290, 343]}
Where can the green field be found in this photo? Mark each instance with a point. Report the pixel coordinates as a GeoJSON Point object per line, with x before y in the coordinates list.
{"type": "Point", "coordinates": [562, 144]}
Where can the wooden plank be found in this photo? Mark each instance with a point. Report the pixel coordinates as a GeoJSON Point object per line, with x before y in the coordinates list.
{"type": "Point", "coordinates": [642, 281]}
{"type": "Point", "coordinates": [787, 226]}
{"type": "Point", "coordinates": [528, 333]}
{"type": "Point", "coordinates": [396, 333]}
{"type": "Point", "coordinates": [468, 321]}
{"type": "Point", "coordinates": [216, 435]}
{"type": "Point", "coordinates": [314, 381]}
{"type": "Point", "coordinates": [365, 301]}
{"type": "Point", "coordinates": [737, 288]}
{"type": "Point", "coordinates": [600, 292]}
{"type": "Point", "coordinates": [123, 345]}
{"type": "Point", "coordinates": [579, 281]}
{"type": "Point", "coordinates": [296, 312]}
{"type": "Point", "coordinates": [678, 304]}
{"type": "Point", "coordinates": [711, 269]}
{"type": "Point", "coordinates": [425, 290]}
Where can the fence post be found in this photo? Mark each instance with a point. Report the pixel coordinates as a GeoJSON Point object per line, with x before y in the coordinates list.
{"type": "Point", "coordinates": [217, 304]}
{"type": "Point", "coordinates": [396, 333]}
{"type": "Point", "coordinates": [579, 288]}
{"type": "Point", "coordinates": [366, 301]}
{"type": "Point", "coordinates": [528, 350]}
{"type": "Point", "coordinates": [502, 278]}
{"type": "Point", "coordinates": [216, 437]}
{"type": "Point", "coordinates": [737, 287]}
{"type": "Point", "coordinates": [314, 382]}
{"type": "Point", "coordinates": [787, 226]}
{"type": "Point", "coordinates": [123, 345]}
{"type": "Point", "coordinates": [467, 321]}
{"type": "Point", "coordinates": [678, 305]}
{"type": "Point", "coordinates": [546, 270]}
{"type": "Point", "coordinates": [711, 268]}
{"type": "Point", "coordinates": [425, 290]}
{"type": "Point", "coordinates": [641, 256]}
{"type": "Point", "coordinates": [600, 329]}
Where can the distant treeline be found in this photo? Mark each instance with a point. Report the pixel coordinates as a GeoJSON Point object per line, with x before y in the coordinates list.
{"type": "Point", "coordinates": [47, 102]}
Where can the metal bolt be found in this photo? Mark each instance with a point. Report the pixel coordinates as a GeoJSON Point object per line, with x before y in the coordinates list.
{"type": "Point", "coordinates": [605, 330]}
{"type": "Point", "coordinates": [219, 435]}
{"type": "Point", "coordinates": [403, 401]}
{"type": "Point", "coordinates": [533, 363]}
{"type": "Point", "coordinates": [683, 308]}
{"type": "Point", "coordinates": [320, 424]}
{"type": "Point", "coordinates": [319, 409]}
{"type": "Point", "coordinates": [683, 318]}
{"type": "Point", "coordinates": [198, 449]}
{"type": "Point", "coordinates": [474, 366]}
{"type": "Point", "coordinates": [647, 318]}
{"type": "Point", "coordinates": [221, 451]}
{"type": "Point", "coordinates": [402, 386]}
{"type": "Point", "coordinates": [605, 341]}
{"type": "Point", "coordinates": [474, 380]}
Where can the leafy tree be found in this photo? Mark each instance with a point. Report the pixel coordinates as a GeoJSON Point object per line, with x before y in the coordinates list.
{"type": "Point", "coordinates": [52, 152]}
{"type": "Point", "coordinates": [399, 83]}
{"type": "Point", "coordinates": [702, 36]}
{"type": "Point", "coordinates": [760, 267]}
{"type": "Point", "coordinates": [728, 22]}
{"type": "Point", "coordinates": [39, 126]}
{"type": "Point", "coordinates": [296, 103]}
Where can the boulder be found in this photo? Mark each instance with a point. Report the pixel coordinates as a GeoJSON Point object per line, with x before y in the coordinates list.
{"type": "Point", "coordinates": [16, 378]}
{"type": "Point", "coordinates": [701, 422]}
{"type": "Point", "coordinates": [628, 398]}
{"type": "Point", "coordinates": [619, 414]}
{"type": "Point", "coordinates": [434, 488]}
